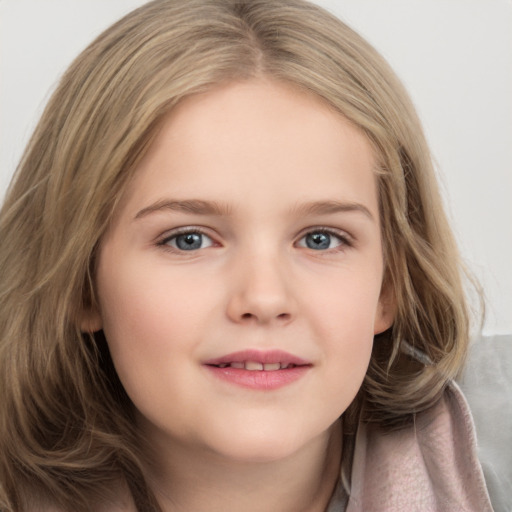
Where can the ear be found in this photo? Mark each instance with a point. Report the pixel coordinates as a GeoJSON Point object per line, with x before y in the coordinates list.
{"type": "Point", "coordinates": [90, 320]}
{"type": "Point", "coordinates": [386, 309]}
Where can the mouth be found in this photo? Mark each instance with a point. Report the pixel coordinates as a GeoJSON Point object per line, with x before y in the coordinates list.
{"type": "Point", "coordinates": [256, 366]}
{"type": "Point", "coordinates": [262, 360]}
{"type": "Point", "coordinates": [263, 370]}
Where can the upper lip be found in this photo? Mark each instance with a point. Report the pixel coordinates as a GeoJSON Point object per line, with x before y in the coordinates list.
{"type": "Point", "coordinates": [259, 356]}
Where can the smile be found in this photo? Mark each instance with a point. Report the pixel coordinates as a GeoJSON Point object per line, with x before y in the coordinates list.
{"type": "Point", "coordinates": [259, 370]}
{"type": "Point", "coordinates": [255, 366]}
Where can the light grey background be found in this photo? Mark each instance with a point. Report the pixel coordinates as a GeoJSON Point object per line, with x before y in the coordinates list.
{"type": "Point", "coordinates": [455, 57]}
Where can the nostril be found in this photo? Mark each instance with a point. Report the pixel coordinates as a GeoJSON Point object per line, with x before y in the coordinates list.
{"type": "Point", "coordinates": [250, 316]}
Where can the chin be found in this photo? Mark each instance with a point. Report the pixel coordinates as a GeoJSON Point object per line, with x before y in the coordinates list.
{"type": "Point", "coordinates": [262, 445]}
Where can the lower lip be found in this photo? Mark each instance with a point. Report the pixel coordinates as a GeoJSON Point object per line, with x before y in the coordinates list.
{"type": "Point", "coordinates": [259, 379]}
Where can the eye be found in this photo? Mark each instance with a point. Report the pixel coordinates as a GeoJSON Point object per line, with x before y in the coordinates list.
{"type": "Point", "coordinates": [187, 241]}
{"type": "Point", "coordinates": [322, 240]}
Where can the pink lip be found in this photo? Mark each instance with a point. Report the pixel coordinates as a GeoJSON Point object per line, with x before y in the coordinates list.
{"type": "Point", "coordinates": [259, 379]}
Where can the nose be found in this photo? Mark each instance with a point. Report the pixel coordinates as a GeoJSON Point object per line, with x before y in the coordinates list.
{"type": "Point", "coordinates": [260, 291]}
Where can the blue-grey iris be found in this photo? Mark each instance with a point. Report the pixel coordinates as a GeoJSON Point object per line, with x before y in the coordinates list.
{"type": "Point", "coordinates": [189, 241]}
{"type": "Point", "coordinates": [318, 241]}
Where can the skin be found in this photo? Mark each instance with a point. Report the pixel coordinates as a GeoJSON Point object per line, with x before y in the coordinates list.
{"type": "Point", "coordinates": [262, 152]}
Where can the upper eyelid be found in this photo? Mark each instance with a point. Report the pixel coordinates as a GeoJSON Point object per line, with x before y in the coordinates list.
{"type": "Point", "coordinates": [172, 233]}
{"type": "Point", "coordinates": [341, 233]}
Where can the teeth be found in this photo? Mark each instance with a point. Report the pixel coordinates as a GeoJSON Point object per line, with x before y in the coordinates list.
{"type": "Point", "coordinates": [255, 366]}
{"type": "Point", "coordinates": [251, 365]}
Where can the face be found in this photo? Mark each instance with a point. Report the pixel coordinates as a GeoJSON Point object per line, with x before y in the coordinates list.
{"type": "Point", "coordinates": [240, 282]}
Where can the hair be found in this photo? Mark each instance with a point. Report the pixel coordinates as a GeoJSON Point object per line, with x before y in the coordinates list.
{"type": "Point", "coordinates": [65, 421]}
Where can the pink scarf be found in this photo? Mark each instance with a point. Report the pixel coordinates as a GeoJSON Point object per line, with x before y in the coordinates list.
{"type": "Point", "coordinates": [431, 466]}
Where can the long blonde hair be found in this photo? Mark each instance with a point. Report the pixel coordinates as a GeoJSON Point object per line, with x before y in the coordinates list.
{"type": "Point", "coordinates": [65, 421]}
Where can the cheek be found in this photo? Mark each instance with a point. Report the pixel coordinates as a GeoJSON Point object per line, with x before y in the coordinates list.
{"type": "Point", "coordinates": [346, 305]}
{"type": "Point", "coordinates": [143, 306]}
{"type": "Point", "coordinates": [344, 322]}
{"type": "Point", "coordinates": [149, 326]}
{"type": "Point", "coordinates": [154, 319]}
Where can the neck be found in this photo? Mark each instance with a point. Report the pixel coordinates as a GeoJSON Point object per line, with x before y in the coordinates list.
{"type": "Point", "coordinates": [302, 482]}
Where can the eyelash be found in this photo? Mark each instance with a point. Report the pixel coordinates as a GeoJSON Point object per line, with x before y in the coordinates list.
{"type": "Point", "coordinates": [345, 240]}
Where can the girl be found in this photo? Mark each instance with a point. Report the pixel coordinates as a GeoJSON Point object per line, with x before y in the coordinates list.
{"type": "Point", "coordinates": [227, 279]}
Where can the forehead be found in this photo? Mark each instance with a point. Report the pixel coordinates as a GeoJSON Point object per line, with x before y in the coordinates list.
{"type": "Point", "coordinates": [255, 139]}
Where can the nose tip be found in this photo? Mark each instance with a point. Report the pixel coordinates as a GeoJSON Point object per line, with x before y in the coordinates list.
{"type": "Point", "coordinates": [261, 295]}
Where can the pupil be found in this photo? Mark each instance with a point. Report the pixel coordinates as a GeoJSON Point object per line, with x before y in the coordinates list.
{"type": "Point", "coordinates": [189, 241]}
{"type": "Point", "coordinates": [318, 241]}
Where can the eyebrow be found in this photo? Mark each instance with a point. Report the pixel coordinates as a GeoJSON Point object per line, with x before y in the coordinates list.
{"type": "Point", "coordinates": [330, 207]}
{"type": "Point", "coordinates": [195, 206]}
{"type": "Point", "coordinates": [201, 207]}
